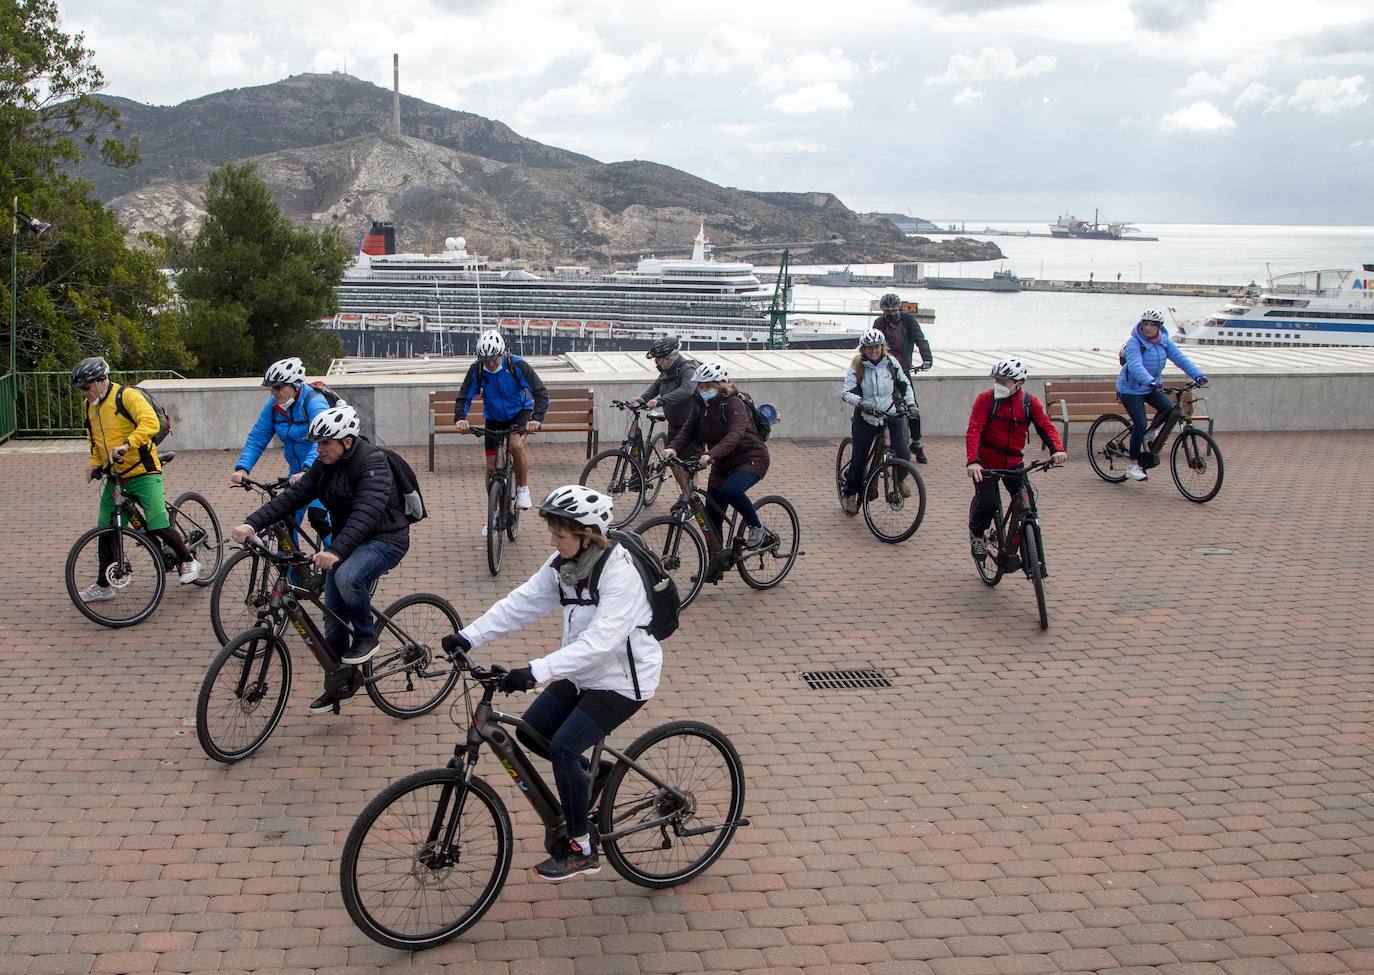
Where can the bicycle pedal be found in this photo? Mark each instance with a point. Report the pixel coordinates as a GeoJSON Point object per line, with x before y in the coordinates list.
{"type": "Point", "coordinates": [335, 709]}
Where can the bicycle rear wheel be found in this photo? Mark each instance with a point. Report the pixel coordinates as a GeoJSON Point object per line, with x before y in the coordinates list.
{"type": "Point", "coordinates": [1109, 447]}
{"type": "Point", "coordinates": [689, 832]}
{"type": "Point", "coordinates": [243, 695]}
{"type": "Point", "coordinates": [193, 517]}
{"type": "Point", "coordinates": [496, 510]}
{"type": "Point", "coordinates": [682, 550]}
{"type": "Point", "coordinates": [619, 475]}
{"type": "Point", "coordinates": [767, 566]}
{"type": "Point", "coordinates": [843, 458]}
{"type": "Point", "coordinates": [410, 676]}
{"type": "Point", "coordinates": [1030, 555]}
{"type": "Point", "coordinates": [402, 885]}
{"type": "Point", "coordinates": [895, 500]}
{"type": "Point", "coordinates": [241, 590]}
{"type": "Point", "coordinates": [1198, 472]}
{"type": "Point", "coordinates": [135, 574]}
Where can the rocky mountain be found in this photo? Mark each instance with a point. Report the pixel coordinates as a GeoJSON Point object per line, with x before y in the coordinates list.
{"type": "Point", "coordinates": [318, 143]}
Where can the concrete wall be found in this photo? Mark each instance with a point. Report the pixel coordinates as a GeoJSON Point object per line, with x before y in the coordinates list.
{"type": "Point", "coordinates": [216, 413]}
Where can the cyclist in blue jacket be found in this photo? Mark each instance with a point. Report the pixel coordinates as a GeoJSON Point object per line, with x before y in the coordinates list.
{"type": "Point", "coordinates": [513, 398]}
{"type": "Point", "coordinates": [286, 415]}
{"type": "Point", "coordinates": [1145, 354]}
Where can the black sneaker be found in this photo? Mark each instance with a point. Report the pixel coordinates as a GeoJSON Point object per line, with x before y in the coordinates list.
{"type": "Point", "coordinates": [919, 453]}
{"type": "Point", "coordinates": [979, 546]}
{"type": "Point", "coordinates": [363, 649]}
{"type": "Point", "coordinates": [569, 862]}
{"type": "Point", "coordinates": [323, 704]}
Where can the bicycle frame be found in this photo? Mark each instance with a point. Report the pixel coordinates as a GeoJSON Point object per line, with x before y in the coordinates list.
{"type": "Point", "coordinates": [692, 506]}
{"type": "Point", "coordinates": [1023, 509]}
{"type": "Point", "coordinates": [880, 449]}
{"type": "Point", "coordinates": [1161, 428]}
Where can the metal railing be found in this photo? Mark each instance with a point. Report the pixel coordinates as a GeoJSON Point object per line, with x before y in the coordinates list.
{"type": "Point", "coordinates": [7, 418]}
{"type": "Point", "coordinates": [48, 406]}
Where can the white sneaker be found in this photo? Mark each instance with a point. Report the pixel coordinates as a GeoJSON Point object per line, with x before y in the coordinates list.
{"type": "Point", "coordinates": [1136, 474]}
{"type": "Point", "coordinates": [522, 498]}
{"type": "Point", "coordinates": [484, 531]}
{"type": "Point", "coordinates": [96, 594]}
{"type": "Point", "coordinates": [190, 572]}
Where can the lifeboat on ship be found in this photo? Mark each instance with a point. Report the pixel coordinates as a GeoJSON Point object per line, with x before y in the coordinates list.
{"type": "Point", "coordinates": [407, 319]}
{"type": "Point", "coordinates": [569, 327]}
{"type": "Point", "coordinates": [350, 320]}
{"type": "Point", "coordinates": [539, 325]}
{"type": "Point", "coordinates": [597, 326]}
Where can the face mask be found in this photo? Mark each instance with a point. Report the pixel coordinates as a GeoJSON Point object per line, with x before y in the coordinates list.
{"type": "Point", "coordinates": [707, 395]}
{"type": "Point", "coordinates": [287, 404]}
{"type": "Point", "coordinates": [1000, 392]}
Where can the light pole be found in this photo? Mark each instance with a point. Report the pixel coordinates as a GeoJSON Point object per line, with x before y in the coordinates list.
{"type": "Point", "coordinates": [38, 228]}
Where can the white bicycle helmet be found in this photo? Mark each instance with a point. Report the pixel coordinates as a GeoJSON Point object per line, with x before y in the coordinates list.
{"type": "Point", "coordinates": [334, 423]}
{"type": "Point", "coordinates": [1152, 316]}
{"type": "Point", "coordinates": [584, 505]}
{"type": "Point", "coordinates": [1010, 368]}
{"type": "Point", "coordinates": [871, 338]}
{"type": "Point", "coordinates": [284, 371]}
{"type": "Point", "coordinates": [711, 372]}
{"type": "Point", "coordinates": [490, 345]}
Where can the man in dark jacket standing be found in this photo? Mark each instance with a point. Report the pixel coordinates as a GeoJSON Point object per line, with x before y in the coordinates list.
{"type": "Point", "coordinates": [353, 479]}
{"type": "Point", "coordinates": [672, 390]}
{"type": "Point", "coordinates": [904, 336]}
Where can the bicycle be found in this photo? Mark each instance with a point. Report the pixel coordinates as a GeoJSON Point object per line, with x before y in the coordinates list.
{"type": "Point", "coordinates": [123, 556]}
{"type": "Point", "coordinates": [1016, 530]}
{"type": "Point", "coordinates": [888, 510]}
{"type": "Point", "coordinates": [244, 692]}
{"type": "Point", "coordinates": [1198, 477]}
{"type": "Point", "coordinates": [761, 567]}
{"type": "Point", "coordinates": [503, 517]}
{"type": "Point", "coordinates": [430, 853]}
{"type": "Point", "coordinates": [634, 471]}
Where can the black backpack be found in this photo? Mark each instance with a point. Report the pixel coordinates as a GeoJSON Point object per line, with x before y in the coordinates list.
{"type": "Point", "coordinates": [664, 601]}
{"type": "Point", "coordinates": [761, 425]}
{"type": "Point", "coordinates": [164, 423]}
{"type": "Point", "coordinates": [412, 501]}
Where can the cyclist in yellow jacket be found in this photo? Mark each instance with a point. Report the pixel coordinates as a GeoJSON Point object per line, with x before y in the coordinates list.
{"type": "Point", "coordinates": [121, 426]}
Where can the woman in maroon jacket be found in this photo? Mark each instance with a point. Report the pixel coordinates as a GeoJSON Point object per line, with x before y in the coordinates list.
{"type": "Point", "coordinates": [737, 456]}
{"type": "Point", "coordinates": [997, 432]}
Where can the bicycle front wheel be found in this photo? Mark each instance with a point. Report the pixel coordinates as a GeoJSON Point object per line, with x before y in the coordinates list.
{"type": "Point", "coordinates": [682, 550]}
{"type": "Point", "coordinates": [195, 520]}
{"type": "Point", "coordinates": [404, 886]}
{"type": "Point", "coordinates": [989, 567]}
{"type": "Point", "coordinates": [409, 675]}
{"type": "Point", "coordinates": [243, 695]}
{"type": "Point", "coordinates": [653, 470]}
{"type": "Point", "coordinates": [619, 475]}
{"type": "Point", "coordinates": [766, 566]}
{"type": "Point", "coordinates": [125, 562]}
{"type": "Point", "coordinates": [894, 501]}
{"type": "Point", "coordinates": [1109, 447]}
{"type": "Point", "coordinates": [1196, 465]}
{"type": "Point", "coordinates": [1030, 555]}
{"type": "Point", "coordinates": [843, 458]}
{"type": "Point", "coordinates": [496, 509]}
{"type": "Point", "coordinates": [241, 591]}
{"type": "Point", "coordinates": [675, 837]}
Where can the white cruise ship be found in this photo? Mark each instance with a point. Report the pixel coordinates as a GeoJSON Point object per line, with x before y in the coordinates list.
{"type": "Point", "coordinates": [1308, 308]}
{"type": "Point", "coordinates": [402, 305]}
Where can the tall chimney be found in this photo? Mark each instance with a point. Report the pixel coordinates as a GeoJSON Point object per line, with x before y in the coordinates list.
{"type": "Point", "coordinates": [396, 94]}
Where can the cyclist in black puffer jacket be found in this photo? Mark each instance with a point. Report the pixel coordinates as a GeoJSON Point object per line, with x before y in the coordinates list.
{"type": "Point", "coordinates": [353, 480]}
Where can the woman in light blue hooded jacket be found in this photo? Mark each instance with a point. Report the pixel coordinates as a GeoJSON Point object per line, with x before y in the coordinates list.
{"type": "Point", "coordinates": [1138, 383]}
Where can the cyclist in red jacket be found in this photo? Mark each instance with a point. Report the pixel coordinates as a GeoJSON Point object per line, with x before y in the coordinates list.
{"type": "Point", "coordinates": [997, 432]}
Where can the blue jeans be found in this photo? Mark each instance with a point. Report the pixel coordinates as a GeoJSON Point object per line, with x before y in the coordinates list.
{"type": "Point", "coordinates": [1135, 405]}
{"type": "Point", "coordinates": [732, 491]}
{"type": "Point", "coordinates": [345, 592]}
{"type": "Point", "coordinates": [573, 721]}
{"type": "Point", "coordinates": [863, 433]}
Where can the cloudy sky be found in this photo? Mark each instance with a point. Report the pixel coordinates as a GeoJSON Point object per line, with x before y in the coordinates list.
{"type": "Point", "coordinates": [1244, 111]}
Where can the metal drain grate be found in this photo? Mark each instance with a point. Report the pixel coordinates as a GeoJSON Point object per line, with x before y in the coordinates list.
{"type": "Point", "coordinates": [810, 443]}
{"type": "Point", "coordinates": [835, 680]}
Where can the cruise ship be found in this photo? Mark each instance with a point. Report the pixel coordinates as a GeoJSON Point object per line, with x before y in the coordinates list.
{"type": "Point", "coordinates": [403, 305]}
{"type": "Point", "coordinates": [1300, 310]}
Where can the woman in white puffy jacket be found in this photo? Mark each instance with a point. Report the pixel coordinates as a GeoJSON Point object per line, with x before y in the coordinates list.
{"type": "Point", "coordinates": [878, 389]}
{"type": "Point", "coordinates": [606, 669]}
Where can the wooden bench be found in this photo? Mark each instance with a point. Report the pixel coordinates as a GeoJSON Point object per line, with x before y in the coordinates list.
{"type": "Point", "coordinates": [1084, 400]}
{"type": "Point", "coordinates": [571, 410]}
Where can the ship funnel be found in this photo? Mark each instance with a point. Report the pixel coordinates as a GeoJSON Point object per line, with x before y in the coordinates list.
{"type": "Point", "coordinates": [396, 94]}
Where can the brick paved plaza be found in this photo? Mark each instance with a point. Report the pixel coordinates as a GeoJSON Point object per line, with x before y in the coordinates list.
{"type": "Point", "coordinates": [1175, 778]}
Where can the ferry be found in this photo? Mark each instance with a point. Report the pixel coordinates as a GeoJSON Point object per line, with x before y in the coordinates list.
{"type": "Point", "coordinates": [1299, 310]}
{"type": "Point", "coordinates": [708, 304]}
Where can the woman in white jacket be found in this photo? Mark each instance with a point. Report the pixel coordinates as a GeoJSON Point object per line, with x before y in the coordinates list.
{"type": "Point", "coordinates": [877, 387]}
{"type": "Point", "coordinates": [606, 669]}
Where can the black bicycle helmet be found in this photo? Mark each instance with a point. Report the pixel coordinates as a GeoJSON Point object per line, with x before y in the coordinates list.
{"type": "Point", "coordinates": [889, 300]}
{"type": "Point", "coordinates": [666, 346]}
{"type": "Point", "coordinates": [90, 370]}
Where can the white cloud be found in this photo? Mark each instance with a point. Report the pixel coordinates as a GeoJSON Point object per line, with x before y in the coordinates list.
{"type": "Point", "coordinates": [1197, 117]}
{"type": "Point", "coordinates": [810, 68]}
{"type": "Point", "coordinates": [601, 86]}
{"type": "Point", "coordinates": [728, 47]}
{"type": "Point", "coordinates": [966, 96]}
{"type": "Point", "coordinates": [1327, 96]}
{"type": "Point", "coordinates": [992, 63]}
{"type": "Point", "coordinates": [786, 146]}
{"type": "Point", "coordinates": [1242, 72]}
{"type": "Point", "coordinates": [1258, 94]}
{"type": "Point", "coordinates": [823, 97]}
{"type": "Point", "coordinates": [1170, 15]}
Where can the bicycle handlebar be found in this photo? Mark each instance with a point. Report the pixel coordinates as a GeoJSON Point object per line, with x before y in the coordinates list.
{"type": "Point", "coordinates": [270, 488]}
{"type": "Point", "coordinates": [1039, 465]}
{"type": "Point", "coordinates": [621, 404]}
{"type": "Point", "coordinates": [256, 544]}
{"type": "Point", "coordinates": [477, 431]}
{"type": "Point", "coordinates": [690, 466]}
{"type": "Point", "coordinates": [891, 413]}
{"type": "Point", "coordinates": [1178, 390]}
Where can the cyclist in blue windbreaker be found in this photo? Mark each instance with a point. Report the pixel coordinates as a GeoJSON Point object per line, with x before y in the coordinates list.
{"type": "Point", "coordinates": [1144, 356]}
{"type": "Point", "coordinates": [286, 415]}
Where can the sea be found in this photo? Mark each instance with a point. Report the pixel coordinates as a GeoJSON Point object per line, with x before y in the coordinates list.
{"type": "Point", "coordinates": [1229, 254]}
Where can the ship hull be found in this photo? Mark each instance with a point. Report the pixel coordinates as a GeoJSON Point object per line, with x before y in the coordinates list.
{"type": "Point", "coordinates": [385, 344]}
{"type": "Point", "coordinates": [972, 284]}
